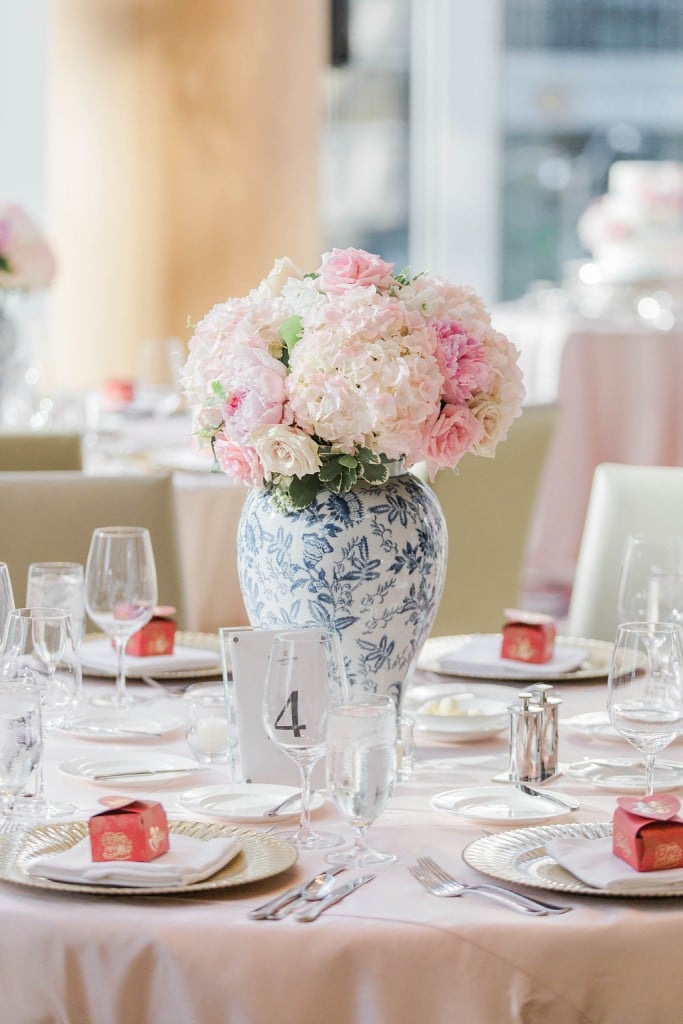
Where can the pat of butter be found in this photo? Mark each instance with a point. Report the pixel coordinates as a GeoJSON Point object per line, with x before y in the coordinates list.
{"type": "Point", "coordinates": [447, 707]}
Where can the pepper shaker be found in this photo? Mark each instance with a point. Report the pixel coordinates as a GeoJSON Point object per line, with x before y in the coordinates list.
{"type": "Point", "coordinates": [526, 729]}
{"type": "Point", "coordinates": [550, 728]}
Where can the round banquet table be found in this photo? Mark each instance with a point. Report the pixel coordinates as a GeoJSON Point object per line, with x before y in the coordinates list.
{"type": "Point", "coordinates": [391, 952]}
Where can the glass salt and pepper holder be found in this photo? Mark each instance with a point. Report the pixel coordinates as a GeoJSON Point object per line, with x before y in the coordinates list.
{"type": "Point", "coordinates": [533, 735]}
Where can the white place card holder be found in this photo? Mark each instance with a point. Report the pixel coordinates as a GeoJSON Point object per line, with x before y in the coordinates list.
{"type": "Point", "coordinates": [256, 757]}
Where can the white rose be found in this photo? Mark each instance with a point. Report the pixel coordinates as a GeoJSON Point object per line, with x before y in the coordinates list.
{"type": "Point", "coordinates": [490, 414]}
{"type": "Point", "coordinates": [272, 285]}
{"type": "Point", "coordinates": [285, 450]}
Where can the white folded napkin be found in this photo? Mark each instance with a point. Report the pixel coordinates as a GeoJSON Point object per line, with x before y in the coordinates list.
{"type": "Point", "coordinates": [482, 653]}
{"type": "Point", "coordinates": [592, 862]}
{"type": "Point", "coordinates": [189, 860]}
{"type": "Point", "coordinates": [100, 656]}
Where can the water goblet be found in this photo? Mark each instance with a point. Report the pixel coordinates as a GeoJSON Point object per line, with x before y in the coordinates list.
{"type": "Point", "coordinates": [361, 770]}
{"type": "Point", "coordinates": [120, 593]}
{"type": "Point", "coordinates": [207, 730]}
{"type": "Point", "coordinates": [58, 585]}
{"type": "Point", "coordinates": [6, 597]}
{"type": "Point", "coordinates": [643, 560]}
{"type": "Point", "coordinates": [303, 679]}
{"type": "Point", "coordinates": [20, 736]}
{"type": "Point", "coordinates": [39, 642]}
{"type": "Point", "coordinates": [645, 688]}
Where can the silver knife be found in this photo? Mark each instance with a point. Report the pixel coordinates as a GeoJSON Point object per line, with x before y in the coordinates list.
{"type": "Point", "coordinates": [568, 805]}
{"type": "Point", "coordinates": [133, 774]}
{"type": "Point", "coordinates": [288, 896]}
{"type": "Point", "coordinates": [340, 893]}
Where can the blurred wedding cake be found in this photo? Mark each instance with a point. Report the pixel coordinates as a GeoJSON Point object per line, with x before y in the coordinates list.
{"type": "Point", "coordinates": [634, 233]}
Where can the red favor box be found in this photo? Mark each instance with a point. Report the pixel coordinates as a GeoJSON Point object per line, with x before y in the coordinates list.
{"type": "Point", "coordinates": [648, 832]}
{"type": "Point", "coordinates": [528, 636]}
{"type": "Point", "coordinates": [156, 637]}
{"type": "Point", "coordinates": [128, 830]}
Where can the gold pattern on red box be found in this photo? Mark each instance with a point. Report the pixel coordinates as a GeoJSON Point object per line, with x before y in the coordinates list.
{"type": "Point", "coordinates": [128, 829]}
{"type": "Point", "coordinates": [155, 638]}
{"type": "Point", "coordinates": [648, 832]}
{"type": "Point", "coordinates": [528, 636]}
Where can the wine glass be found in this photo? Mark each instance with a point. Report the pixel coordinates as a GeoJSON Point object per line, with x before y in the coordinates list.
{"type": "Point", "coordinates": [644, 559]}
{"type": "Point", "coordinates": [645, 688]}
{"type": "Point", "coordinates": [303, 679]}
{"type": "Point", "coordinates": [20, 736]}
{"type": "Point", "coordinates": [120, 593]}
{"type": "Point", "coordinates": [6, 597]}
{"type": "Point", "coordinates": [361, 770]}
{"type": "Point", "coordinates": [58, 585]}
{"type": "Point", "coordinates": [39, 642]}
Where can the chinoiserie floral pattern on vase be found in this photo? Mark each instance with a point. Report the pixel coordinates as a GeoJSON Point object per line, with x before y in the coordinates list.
{"type": "Point", "coordinates": [369, 564]}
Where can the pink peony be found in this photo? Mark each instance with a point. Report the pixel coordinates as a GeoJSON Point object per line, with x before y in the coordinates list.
{"type": "Point", "coordinates": [455, 432]}
{"type": "Point", "coordinates": [239, 462]}
{"type": "Point", "coordinates": [341, 269]}
{"type": "Point", "coordinates": [255, 392]}
{"type": "Point", "coordinates": [462, 361]}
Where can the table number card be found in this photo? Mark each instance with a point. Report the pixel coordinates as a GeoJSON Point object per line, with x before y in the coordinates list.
{"type": "Point", "coordinates": [256, 758]}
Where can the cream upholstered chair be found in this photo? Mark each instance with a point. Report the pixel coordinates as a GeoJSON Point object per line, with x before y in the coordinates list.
{"type": "Point", "coordinates": [38, 450]}
{"type": "Point", "coordinates": [50, 516]}
{"type": "Point", "coordinates": [623, 500]}
{"type": "Point", "coordinates": [488, 505]}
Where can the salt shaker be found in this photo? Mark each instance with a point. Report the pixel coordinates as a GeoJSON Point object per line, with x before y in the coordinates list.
{"type": "Point", "coordinates": [550, 731]}
{"type": "Point", "coordinates": [526, 730]}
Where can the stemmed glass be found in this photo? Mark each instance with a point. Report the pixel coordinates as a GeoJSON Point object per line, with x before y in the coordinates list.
{"type": "Point", "coordinates": [646, 558]}
{"type": "Point", "coordinates": [645, 688]}
{"type": "Point", "coordinates": [6, 597]}
{"type": "Point", "coordinates": [304, 679]}
{"type": "Point", "coordinates": [20, 736]}
{"type": "Point", "coordinates": [58, 585]}
{"type": "Point", "coordinates": [39, 642]}
{"type": "Point", "coordinates": [361, 770]}
{"type": "Point", "coordinates": [120, 593]}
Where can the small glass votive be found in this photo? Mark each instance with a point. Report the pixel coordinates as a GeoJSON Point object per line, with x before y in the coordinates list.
{"type": "Point", "coordinates": [405, 748]}
{"type": "Point", "coordinates": [207, 730]}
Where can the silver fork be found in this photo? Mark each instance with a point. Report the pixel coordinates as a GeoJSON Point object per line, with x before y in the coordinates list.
{"type": "Point", "coordinates": [440, 883]}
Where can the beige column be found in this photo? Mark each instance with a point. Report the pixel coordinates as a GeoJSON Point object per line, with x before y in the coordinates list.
{"type": "Point", "coordinates": [182, 160]}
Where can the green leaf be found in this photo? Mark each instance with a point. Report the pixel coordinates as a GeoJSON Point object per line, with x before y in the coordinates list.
{"type": "Point", "coordinates": [376, 474]}
{"type": "Point", "coordinates": [348, 460]}
{"type": "Point", "coordinates": [329, 471]}
{"type": "Point", "coordinates": [4, 264]}
{"type": "Point", "coordinates": [290, 331]}
{"type": "Point", "coordinates": [218, 391]}
{"type": "Point", "coordinates": [368, 457]}
{"type": "Point", "coordinates": [303, 489]}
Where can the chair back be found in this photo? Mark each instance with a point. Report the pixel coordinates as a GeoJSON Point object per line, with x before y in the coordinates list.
{"type": "Point", "coordinates": [50, 516]}
{"type": "Point", "coordinates": [623, 500]}
{"type": "Point", "coordinates": [488, 505]}
{"type": "Point", "coordinates": [29, 452]}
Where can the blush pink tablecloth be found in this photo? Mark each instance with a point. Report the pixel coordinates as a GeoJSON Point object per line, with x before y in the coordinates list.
{"type": "Point", "coordinates": [390, 954]}
{"type": "Point", "coordinates": [620, 401]}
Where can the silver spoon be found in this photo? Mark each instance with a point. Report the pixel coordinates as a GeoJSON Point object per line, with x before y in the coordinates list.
{"type": "Point", "coordinates": [320, 887]}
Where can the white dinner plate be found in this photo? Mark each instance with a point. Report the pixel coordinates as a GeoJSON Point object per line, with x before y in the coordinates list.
{"type": "Point", "coordinates": [121, 726]}
{"type": "Point", "coordinates": [479, 719]}
{"type": "Point", "coordinates": [450, 655]}
{"type": "Point", "coordinates": [593, 723]}
{"type": "Point", "coordinates": [243, 802]}
{"type": "Point", "coordinates": [493, 805]}
{"type": "Point", "coordinates": [625, 776]}
{"type": "Point", "coordinates": [520, 856]}
{"type": "Point", "coordinates": [130, 769]}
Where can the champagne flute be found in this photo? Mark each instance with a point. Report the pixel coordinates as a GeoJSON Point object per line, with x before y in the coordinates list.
{"type": "Point", "coordinates": [120, 593]}
{"type": "Point", "coordinates": [645, 688]}
{"type": "Point", "coordinates": [58, 585]}
{"type": "Point", "coordinates": [644, 559]}
{"type": "Point", "coordinates": [20, 736]}
{"type": "Point", "coordinates": [304, 677]}
{"type": "Point", "coordinates": [361, 770]}
{"type": "Point", "coordinates": [6, 597]}
{"type": "Point", "coordinates": [39, 642]}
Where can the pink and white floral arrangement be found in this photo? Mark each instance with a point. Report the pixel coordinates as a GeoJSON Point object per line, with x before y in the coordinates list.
{"type": "Point", "coordinates": [26, 260]}
{"type": "Point", "coordinates": [320, 379]}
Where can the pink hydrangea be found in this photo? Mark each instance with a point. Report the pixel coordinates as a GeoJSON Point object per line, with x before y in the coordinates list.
{"type": "Point", "coordinates": [342, 269]}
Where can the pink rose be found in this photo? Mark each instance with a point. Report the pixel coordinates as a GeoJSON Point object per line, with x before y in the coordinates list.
{"type": "Point", "coordinates": [29, 259]}
{"type": "Point", "coordinates": [239, 462]}
{"type": "Point", "coordinates": [454, 433]}
{"type": "Point", "coordinates": [463, 362]}
{"type": "Point", "coordinates": [342, 269]}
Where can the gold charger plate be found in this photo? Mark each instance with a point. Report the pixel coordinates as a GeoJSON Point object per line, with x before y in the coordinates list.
{"type": "Point", "coordinates": [202, 641]}
{"type": "Point", "coordinates": [595, 665]}
{"type": "Point", "coordinates": [262, 856]}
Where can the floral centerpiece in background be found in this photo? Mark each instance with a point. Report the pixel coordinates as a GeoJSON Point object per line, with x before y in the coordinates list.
{"type": "Point", "coordinates": [26, 266]}
{"type": "Point", "coordinates": [321, 379]}
{"type": "Point", "coordinates": [319, 390]}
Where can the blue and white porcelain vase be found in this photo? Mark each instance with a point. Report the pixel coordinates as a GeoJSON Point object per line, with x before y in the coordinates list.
{"type": "Point", "coordinates": [370, 564]}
